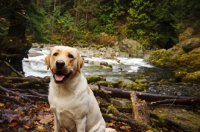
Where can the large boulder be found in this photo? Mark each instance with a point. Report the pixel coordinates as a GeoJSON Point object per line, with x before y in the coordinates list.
{"type": "Point", "coordinates": [183, 58]}
{"type": "Point", "coordinates": [191, 44]}
{"type": "Point", "coordinates": [132, 47]}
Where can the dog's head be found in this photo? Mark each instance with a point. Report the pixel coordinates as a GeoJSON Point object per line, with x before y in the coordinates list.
{"type": "Point", "coordinates": [63, 61]}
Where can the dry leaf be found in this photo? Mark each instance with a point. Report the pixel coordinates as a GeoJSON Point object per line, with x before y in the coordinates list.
{"type": "Point", "coordinates": [13, 124]}
{"type": "Point", "coordinates": [40, 129]}
{"type": "Point", "coordinates": [26, 126]}
{"type": "Point", "coordinates": [148, 131]}
{"type": "Point", "coordinates": [46, 120]}
{"type": "Point", "coordinates": [1, 105]}
{"type": "Point", "coordinates": [29, 125]}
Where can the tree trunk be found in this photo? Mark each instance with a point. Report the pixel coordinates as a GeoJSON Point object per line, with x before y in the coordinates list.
{"type": "Point", "coordinates": [15, 42]}
{"type": "Point", "coordinates": [16, 28]}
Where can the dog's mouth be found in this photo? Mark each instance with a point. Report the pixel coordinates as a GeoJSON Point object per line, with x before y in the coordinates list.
{"type": "Point", "coordinates": [59, 76]}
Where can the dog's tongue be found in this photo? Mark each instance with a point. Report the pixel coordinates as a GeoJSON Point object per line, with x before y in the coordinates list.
{"type": "Point", "coordinates": [59, 77]}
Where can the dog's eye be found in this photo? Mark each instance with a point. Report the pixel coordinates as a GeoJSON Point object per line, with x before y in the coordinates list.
{"type": "Point", "coordinates": [55, 54]}
{"type": "Point", "coordinates": [70, 56]}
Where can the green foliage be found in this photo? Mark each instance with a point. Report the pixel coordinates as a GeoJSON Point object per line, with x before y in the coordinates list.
{"type": "Point", "coordinates": [3, 27]}
{"type": "Point", "coordinates": [108, 15]}
{"type": "Point", "coordinates": [25, 13]}
{"type": "Point", "coordinates": [66, 21]}
{"type": "Point", "coordinates": [149, 22]}
{"type": "Point", "coordinates": [37, 23]}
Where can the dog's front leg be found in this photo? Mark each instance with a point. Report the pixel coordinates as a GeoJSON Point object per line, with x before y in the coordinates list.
{"type": "Point", "coordinates": [56, 123]}
{"type": "Point", "coordinates": [80, 124]}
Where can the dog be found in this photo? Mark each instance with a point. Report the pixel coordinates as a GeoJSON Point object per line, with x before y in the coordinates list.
{"type": "Point", "coordinates": [71, 100]}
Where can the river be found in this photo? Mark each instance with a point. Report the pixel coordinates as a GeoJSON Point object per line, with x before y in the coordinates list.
{"type": "Point", "coordinates": [127, 68]}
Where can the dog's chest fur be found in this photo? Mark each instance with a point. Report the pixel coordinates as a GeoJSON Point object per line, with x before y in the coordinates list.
{"type": "Point", "coordinates": [66, 104]}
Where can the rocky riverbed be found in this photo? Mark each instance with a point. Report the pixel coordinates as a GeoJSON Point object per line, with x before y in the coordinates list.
{"type": "Point", "coordinates": [110, 67]}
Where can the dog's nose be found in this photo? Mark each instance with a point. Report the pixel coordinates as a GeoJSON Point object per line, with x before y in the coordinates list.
{"type": "Point", "coordinates": [60, 63]}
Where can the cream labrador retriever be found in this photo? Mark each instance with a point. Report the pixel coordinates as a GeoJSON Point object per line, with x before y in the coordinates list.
{"type": "Point", "coordinates": [72, 102]}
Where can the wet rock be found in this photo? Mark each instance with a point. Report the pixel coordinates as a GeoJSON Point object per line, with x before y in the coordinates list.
{"type": "Point", "coordinates": [191, 44]}
{"type": "Point", "coordinates": [103, 63]}
{"type": "Point", "coordinates": [134, 48]}
{"type": "Point", "coordinates": [103, 83]}
{"type": "Point", "coordinates": [163, 82]}
{"type": "Point", "coordinates": [121, 103]}
{"type": "Point", "coordinates": [140, 81]}
{"type": "Point", "coordinates": [94, 78]}
{"type": "Point", "coordinates": [86, 61]}
{"type": "Point", "coordinates": [33, 54]}
{"type": "Point", "coordinates": [192, 77]}
{"type": "Point", "coordinates": [125, 83]}
{"type": "Point", "coordinates": [177, 59]}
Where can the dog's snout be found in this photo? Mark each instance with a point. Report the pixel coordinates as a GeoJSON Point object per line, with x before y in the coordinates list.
{"type": "Point", "coordinates": [60, 63]}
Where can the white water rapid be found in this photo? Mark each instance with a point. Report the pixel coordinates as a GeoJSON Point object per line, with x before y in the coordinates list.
{"type": "Point", "coordinates": [35, 66]}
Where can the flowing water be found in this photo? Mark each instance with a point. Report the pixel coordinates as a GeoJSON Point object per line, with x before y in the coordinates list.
{"type": "Point", "coordinates": [127, 68]}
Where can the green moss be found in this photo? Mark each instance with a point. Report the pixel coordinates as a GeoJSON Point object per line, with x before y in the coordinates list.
{"type": "Point", "coordinates": [161, 118]}
{"type": "Point", "coordinates": [108, 65]}
{"type": "Point", "coordinates": [178, 60]}
{"type": "Point", "coordinates": [121, 103]}
{"type": "Point", "coordinates": [26, 82]}
{"type": "Point", "coordinates": [85, 45]}
{"type": "Point", "coordinates": [13, 74]}
{"type": "Point", "coordinates": [103, 83]}
{"type": "Point", "coordinates": [180, 74]}
{"type": "Point", "coordinates": [111, 109]}
{"type": "Point", "coordinates": [9, 81]}
{"type": "Point", "coordinates": [125, 83]}
{"type": "Point", "coordinates": [128, 86]}
{"type": "Point", "coordinates": [193, 76]}
{"type": "Point", "coordinates": [93, 78]}
{"type": "Point", "coordinates": [37, 85]}
{"type": "Point", "coordinates": [135, 85]}
{"type": "Point", "coordinates": [163, 82]}
{"type": "Point", "coordinates": [140, 81]}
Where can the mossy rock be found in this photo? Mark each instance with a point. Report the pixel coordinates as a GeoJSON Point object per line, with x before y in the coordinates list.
{"type": "Point", "coordinates": [128, 84]}
{"type": "Point", "coordinates": [93, 78]}
{"type": "Point", "coordinates": [191, 44]}
{"type": "Point", "coordinates": [187, 119]}
{"type": "Point", "coordinates": [125, 83]}
{"type": "Point", "coordinates": [140, 81]}
{"type": "Point", "coordinates": [163, 82]}
{"type": "Point", "coordinates": [179, 75]}
{"type": "Point", "coordinates": [139, 87]}
{"type": "Point", "coordinates": [192, 77]}
{"type": "Point", "coordinates": [178, 60]}
{"type": "Point", "coordinates": [103, 83]}
{"type": "Point", "coordinates": [121, 103]}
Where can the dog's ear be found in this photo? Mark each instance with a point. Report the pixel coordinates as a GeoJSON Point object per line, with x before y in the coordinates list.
{"type": "Point", "coordinates": [47, 60]}
{"type": "Point", "coordinates": [80, 62]}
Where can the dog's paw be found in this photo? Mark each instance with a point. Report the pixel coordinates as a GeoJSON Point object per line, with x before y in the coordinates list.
{"type": "Point", "coordinates": [110, 130]}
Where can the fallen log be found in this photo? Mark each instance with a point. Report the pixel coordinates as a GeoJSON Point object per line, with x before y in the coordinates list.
{"type": "Point", "coordinates": [176, 101]}
{"type": "Point", "coordinates": [42, 83]}
{"type": "Point", "coordinates": [140, 109]}
{"type": "Point", "coordinates": [135, 125]}
{"type": "Point", "coordinates": [121, 93]}
{"type": "Point", "coordinates": [14, 93]}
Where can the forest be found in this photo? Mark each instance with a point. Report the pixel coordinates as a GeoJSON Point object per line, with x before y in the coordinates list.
{"type": "Point", "coordinates": [165, 33]}
{"type": "Point", "coordinates": [151, 23]}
